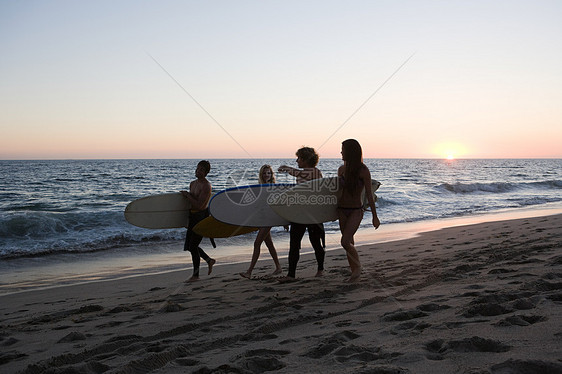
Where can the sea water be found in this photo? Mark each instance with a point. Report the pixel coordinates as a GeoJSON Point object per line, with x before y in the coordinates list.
{"type": "Point", "coordinates": [74, 208]}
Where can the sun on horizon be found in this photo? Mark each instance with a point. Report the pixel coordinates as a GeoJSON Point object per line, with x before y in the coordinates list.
{"type": "Point", "coordinates": [449, 150]}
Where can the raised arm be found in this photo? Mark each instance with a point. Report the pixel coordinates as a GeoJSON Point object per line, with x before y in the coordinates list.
{"type": "Point", "coordinates": [289, 170]}
{"type": "Point", "coordinates": [302, 175]}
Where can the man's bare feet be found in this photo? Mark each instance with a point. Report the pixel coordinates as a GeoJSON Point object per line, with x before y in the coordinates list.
{"type": "Point", "coordinates": [287, 279]}
{"type": "Point", "coordinates": [246, 275]}
{"type": "Point", "coordinates": [319, 273]}
{"type": "Point", "coordinates": [211, 263]}
{"type": "Point", "coordinates": [192, 279]}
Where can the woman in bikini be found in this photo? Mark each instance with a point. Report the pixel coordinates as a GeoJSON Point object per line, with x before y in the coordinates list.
{"type": "Point", "coordinates": [354, 177]}
{"type": "Point", "coordinates": [264, 234]}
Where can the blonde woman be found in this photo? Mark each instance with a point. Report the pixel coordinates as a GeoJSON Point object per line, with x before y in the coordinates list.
{"type": "Point", "coordinates": [264, 234]}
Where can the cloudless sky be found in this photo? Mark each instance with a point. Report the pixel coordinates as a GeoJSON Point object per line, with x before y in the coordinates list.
{"type": "Point", "coordinates": [113, 79]}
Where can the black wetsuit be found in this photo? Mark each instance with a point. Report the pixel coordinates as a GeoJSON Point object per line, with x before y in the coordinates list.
{"type": "Point", "coordinates": [317, 238]}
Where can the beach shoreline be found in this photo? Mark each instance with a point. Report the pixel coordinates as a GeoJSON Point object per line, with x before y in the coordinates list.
{"type": "Point", "coordinates": [479, 298]}
{"type": "Point", "coordinates": [27, 274]}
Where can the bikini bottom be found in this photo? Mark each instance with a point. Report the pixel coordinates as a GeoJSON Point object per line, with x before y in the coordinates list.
{"type": "Point", "coordinates": [347, 211]}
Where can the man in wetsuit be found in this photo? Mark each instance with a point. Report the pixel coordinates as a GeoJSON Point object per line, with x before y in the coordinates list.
{"type": "Point", "coordinates": [307, 159]}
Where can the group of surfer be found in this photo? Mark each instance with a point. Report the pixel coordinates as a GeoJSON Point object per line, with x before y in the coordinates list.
{"type": "Point", "coordinates": [354, 178]}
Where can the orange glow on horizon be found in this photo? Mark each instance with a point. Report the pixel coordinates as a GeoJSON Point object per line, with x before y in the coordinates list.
{"type": "Point", "coordinates": [450, 150]}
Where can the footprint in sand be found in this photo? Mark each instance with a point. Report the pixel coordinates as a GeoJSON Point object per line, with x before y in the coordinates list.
{"type": "Point", "coordinates": [260, 360]}
{"type": "Point", "coordinates": [438, 348]}
{"type": "Point", "coordinates": [526, 367]}
{"type": "Point", "coordinates": [171, 307]}
{"type": "Point", "coordinates": [499, 303]}
{"type": "Point", "coordinates": [186, 361]}
{"type": "Point", "coordinates": [9, 356]}
{"type": "Point", "coordinates": [520, 320]}
{"type": "Point", "coordinates": [363, 354]}
{"type": "Point", "coordinates": [412, 327]}
{"type": "Point", "coordinates": [343, 323]}
{"type": "Point", "coordinates": [403, 315]}
{"type": "Point", "coordinates": [432, 307]}
{"type": "Point", "coordinates": [331, 343]}
{"type": "Point", "coordinates": [72, 337]}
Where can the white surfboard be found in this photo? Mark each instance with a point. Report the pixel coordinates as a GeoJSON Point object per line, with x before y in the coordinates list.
{"type": "Point", "coordinates": [248, 205]}
{"type": "Point", "coordinates": [312, 202]}
{"type": "Point", "coordinates": [165, 211]}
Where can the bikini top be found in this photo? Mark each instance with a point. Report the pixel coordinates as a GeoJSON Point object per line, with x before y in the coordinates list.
{"type": "Point", "coordinates": [342, 182]}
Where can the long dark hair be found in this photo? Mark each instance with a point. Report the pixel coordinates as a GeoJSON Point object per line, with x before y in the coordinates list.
{"type": "Point", "coordinates": [353, 159]}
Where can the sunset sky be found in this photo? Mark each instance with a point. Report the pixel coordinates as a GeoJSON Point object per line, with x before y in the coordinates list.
{"type": "Point", "coordinates": [258, 78]}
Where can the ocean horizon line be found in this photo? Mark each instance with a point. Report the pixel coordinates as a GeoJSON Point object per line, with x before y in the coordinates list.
{"type": "Point", "coordinates": [279, 158]}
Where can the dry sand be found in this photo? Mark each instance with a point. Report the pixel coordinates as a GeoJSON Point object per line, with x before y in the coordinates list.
{"type": "Point", "coordinates": [483, 298]}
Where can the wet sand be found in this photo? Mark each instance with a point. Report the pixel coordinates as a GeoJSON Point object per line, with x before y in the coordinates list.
{"type": "Point", "coordinates": [482, 298]}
